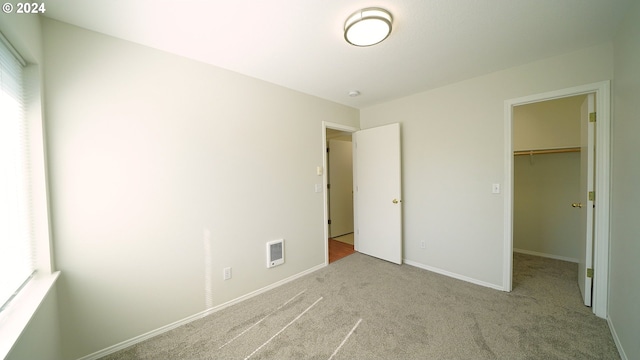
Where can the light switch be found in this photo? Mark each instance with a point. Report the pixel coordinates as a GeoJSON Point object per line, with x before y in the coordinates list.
{"type": "Point", "coordinates": [318, 188]}
{"type": "Point", "coordinates": [496, 189]}
{"type": "Point", "coordinates": [319, 170]}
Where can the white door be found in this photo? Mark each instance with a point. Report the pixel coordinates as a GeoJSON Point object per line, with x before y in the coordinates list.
{"type": "Point", "coordinates": [377, 190]}
{"type": "Point", "coordinates": [340, 162]}
{"type": "Point", "coordinates": [585, 204]}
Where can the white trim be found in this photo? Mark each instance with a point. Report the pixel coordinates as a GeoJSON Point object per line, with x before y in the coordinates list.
{"type": "Point", "coordinates": [140, 338]}
{"type": "Point", "coordinates": [545, 255]}
{"type": "Point", "coordinates": [12, 50]}
{"type": "Point", "coordinates": [507, 247]}
{"type": "Point", "coordinates": [616, 340]}
{"type": "Point", "coordinates": [325, 179]}
{"type": "Point", "coordinates": [17, 315]}
{"type": "Point", "coordinates": [603, 156]}
{"type": "Point", "coordinates": [452, 275]}
{"type": "Point", "coordinates": [602, 210]}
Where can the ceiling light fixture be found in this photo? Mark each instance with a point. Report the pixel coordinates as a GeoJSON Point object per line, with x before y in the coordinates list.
{"type": "Point", "coordinates": [354, 93]}
{"type": "Point", "coordinates": [368, 26]}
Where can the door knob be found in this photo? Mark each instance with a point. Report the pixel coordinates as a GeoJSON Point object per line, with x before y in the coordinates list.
{"type": "Point", "coordinates": [395, 201]}
{"type": "Point", "coordinates": [578, 205]}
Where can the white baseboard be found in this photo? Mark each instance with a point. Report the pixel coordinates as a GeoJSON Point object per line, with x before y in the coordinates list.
{"type": "Point", "coordinates": [453, 275]}
{"type": "Point", "coordinates": [127, 343]}
{"type": "Point", "coordinates": [550, 256]}
{"type": "Point", "coordinates": [623, 356]}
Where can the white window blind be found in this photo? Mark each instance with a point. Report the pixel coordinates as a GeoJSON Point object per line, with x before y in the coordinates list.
{"type": "Point", "coordinates": [16, 260]}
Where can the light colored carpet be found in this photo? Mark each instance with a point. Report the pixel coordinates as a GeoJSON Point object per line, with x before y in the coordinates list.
{"type": "Point", "coordinates": [347, 238]}
{"type": "Point", "coordinates": [365, 308]}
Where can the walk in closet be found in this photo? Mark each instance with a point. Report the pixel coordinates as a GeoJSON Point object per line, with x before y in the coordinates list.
{"type": "Point", "coordinates": [546, 139]}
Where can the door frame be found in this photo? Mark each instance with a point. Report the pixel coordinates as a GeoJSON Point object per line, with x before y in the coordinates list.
{"type": "Point", "coordinates": [325, 179]}
{"type": "Point", "coordinates": [602, 186]}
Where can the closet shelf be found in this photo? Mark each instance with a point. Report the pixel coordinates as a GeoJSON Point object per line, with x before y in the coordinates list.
{"type": "Point", "coordinates": [546, 151]}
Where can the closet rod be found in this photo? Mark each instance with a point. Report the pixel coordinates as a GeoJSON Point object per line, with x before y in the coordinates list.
{"type": "Point", "coordinates": [546, 151]}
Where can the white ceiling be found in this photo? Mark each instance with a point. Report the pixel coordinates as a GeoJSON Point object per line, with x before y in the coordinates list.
{"type": "Point", "coordinates": [299, 44]}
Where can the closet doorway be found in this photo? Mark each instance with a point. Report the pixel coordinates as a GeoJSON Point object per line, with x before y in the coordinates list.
{"type": "Point", "coordinates": [549, 219]}
{"type": "Point", "coordinates": [546, 196]}
{"type": "Point", "coordinates": [547, 154]}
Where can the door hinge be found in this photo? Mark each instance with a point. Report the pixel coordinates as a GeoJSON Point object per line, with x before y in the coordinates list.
{"type": "Point", "coordinates": [590, 273]}
{"type": "Point", "coordinates": [327, 149]}
{"type": "Point", "coordinates": [329, 221]}
{"type": "Point", "coordinates": [592, 196]}
{"type": "Point", "coordinates": [592, 117]}
{"type": "Point", "coordinates": [328, 186]}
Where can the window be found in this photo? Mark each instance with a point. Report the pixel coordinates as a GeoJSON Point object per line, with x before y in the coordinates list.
{"type": "Point", "coordinates": [16, 260]}
{"type": "Point", "coordinates": [24, 221]}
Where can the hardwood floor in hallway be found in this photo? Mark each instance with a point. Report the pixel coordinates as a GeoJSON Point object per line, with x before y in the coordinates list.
{"type": "Point", "coordinates": [338, 250]}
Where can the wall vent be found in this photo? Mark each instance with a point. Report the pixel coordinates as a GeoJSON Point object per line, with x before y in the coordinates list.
{"type": "Point", "coordinates": [275, 253]}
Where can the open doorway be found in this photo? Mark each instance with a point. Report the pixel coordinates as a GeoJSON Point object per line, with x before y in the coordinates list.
{"type": "Point", "coordinates": [548, 235]}
{"type": "Point", "coordinates": [338, 199]}
{"type": "Point", "coordinates": [601, 172]}
{"type": "Point", "coordinates": [340, 194]}
{"type": "Point", "coordinates": [546, 144]}
{"type": "Point", "coordinates": [377, 209]}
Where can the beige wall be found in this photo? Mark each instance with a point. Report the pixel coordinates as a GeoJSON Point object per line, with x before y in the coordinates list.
{"type": "Point", "coordinates": [340, 159]}
{"type": "Point", "coordinates": [454, 149]}
{"type": "Point", "coordinates": [155, 158]}
{"type": "Point", "coordinates": [624, 310]}
{"type": "Point", "coordinates": [543, 220]}
{"type": "Point", "coordinates": [41, 338]}
{"type": "Point", "coordinates": [547, 124]}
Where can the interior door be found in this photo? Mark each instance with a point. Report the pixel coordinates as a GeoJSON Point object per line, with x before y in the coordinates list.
{"type": "Point", "coordinates": [585, 205]}
{"type": "Point", "coordinates": [377, 190]}
{"type": "Point", "coordinates": [340, 163]}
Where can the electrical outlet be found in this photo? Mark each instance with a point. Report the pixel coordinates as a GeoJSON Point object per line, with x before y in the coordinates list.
{"type": "Point", "coordinates": [226, 273]}
{"type": "Point", "coordinates": [423, 244]}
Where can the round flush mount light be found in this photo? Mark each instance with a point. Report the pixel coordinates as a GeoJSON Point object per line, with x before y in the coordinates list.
{"type": "Point", "coordinates": [368, 26]}
{"type": "Point", "coordinates": [354, 93]}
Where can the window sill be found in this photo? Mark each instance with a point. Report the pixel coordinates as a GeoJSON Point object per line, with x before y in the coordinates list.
{"type": "Point", "coordinates": [15, 318]}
